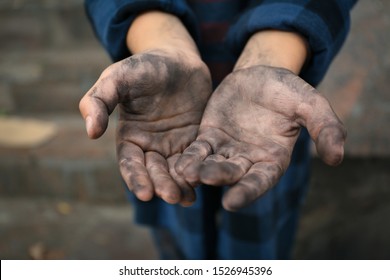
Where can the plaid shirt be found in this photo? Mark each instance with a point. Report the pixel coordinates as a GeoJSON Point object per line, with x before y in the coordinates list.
{"type": "Point", "coordinates": [221, 28]}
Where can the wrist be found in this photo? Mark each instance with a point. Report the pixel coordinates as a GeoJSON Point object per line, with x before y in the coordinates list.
{"type": "Point", "coordinates": [275, 48]}
{"type": "Point", "coordinates": [158, 30]}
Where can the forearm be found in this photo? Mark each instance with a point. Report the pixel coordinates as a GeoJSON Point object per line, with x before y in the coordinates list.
{"type": "Point", "coordinates": [275, 48]}
{"type": "Point", "coordinates": [155, 29]}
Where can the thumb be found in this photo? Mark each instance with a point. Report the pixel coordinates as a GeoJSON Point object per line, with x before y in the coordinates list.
{"type": "Point", "coordinates": [325, 128]}
{"type": "Point", "coordinates": [97, 104]}
{"type": "Point", "coordinates": [330, 144]}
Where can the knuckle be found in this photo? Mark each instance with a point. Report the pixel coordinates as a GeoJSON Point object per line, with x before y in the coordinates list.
{"type": "Point", "coordinates": [107, 73]}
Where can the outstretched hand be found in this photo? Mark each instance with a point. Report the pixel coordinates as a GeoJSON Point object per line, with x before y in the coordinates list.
{"type": "Point", "coordinates": [161, 97]}
{"type": "Point", "coordinates": [249, 130]}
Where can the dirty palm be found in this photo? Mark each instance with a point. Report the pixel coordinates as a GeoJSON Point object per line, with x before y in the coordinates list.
{"type": "Point", "coordinates": [161, 98]}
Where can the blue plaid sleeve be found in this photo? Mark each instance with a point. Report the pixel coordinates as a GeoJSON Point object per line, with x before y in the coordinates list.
{"type": "Point", "coordinates": [324, 23]}
{"type": "Point", "coordinates": [111, 20]}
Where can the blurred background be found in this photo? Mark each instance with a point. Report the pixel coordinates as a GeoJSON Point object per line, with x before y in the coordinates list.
{"type": "Point", "coordinates": [61, 196]}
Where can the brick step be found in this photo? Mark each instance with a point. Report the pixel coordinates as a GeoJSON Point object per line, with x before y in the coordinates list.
{"type": "Point", "coordinates": [50, 24]}
{"type": "Point", "coordinates": [49, 81]}
{"type": "Point", "coordinates": [41, 228]}
{"type": "Point", "coordinates": [47, 67]}
{"type": "Point", "coordinates": [68, 166]}
{"type": "Point", "coordinates": [49, 5]}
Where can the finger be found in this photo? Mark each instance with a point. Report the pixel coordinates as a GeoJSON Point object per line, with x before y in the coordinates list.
{"type": "Point", "coordinates": [215, 158]}
{"type": "Point", "coordinates": [223, 172]}
{"type": "Point", "coordinates": [133, 170]}
{"type": "Point", "coordinates": [189, 162]}
{"type": "Point", "coordinates": [195, 168]}
{"type": "Point", "coordinates": [330, 144]}
{"type": "Point", "coordinates": [325, 128]}
{"type": "Point", "coordinates": [164, 186]}
{"type": "Point", "coordinates": [188, 195]}
{"type": "Point", "coordinates": [260, 178]}
{"type": "Point", "coordinates": [97, 104]}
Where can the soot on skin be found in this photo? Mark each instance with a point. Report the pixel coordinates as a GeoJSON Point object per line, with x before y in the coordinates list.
{"type": "Point", "coordinates": [152, 75]}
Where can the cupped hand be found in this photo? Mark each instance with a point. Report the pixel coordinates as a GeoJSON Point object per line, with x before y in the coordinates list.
{"type": "Point", "coordinates": [161, 95]}
{"type": "Point", "coordinates": [249, 130]}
